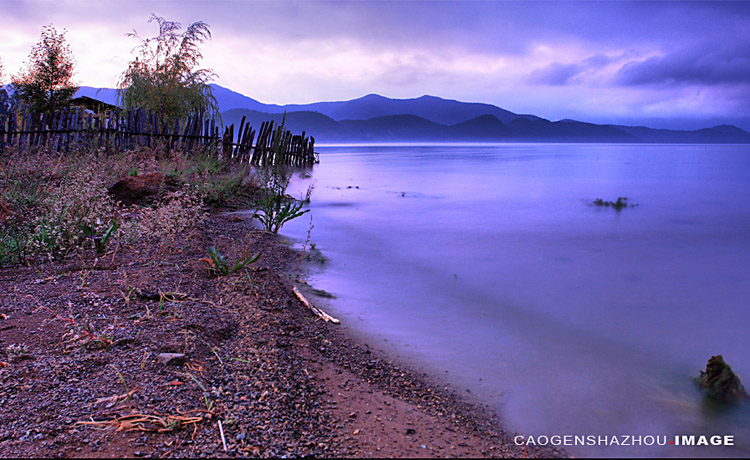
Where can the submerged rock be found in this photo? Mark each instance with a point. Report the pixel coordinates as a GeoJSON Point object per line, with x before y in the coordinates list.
{"type": "Point", "coordinates": [720, 382]}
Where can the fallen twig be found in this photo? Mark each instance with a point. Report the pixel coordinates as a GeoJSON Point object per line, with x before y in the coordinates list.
{"type": "Point", "coordinates": [223, 440]}
{"type": "Point", "coordinates": [145, 422]}
{"type": "Point", "coordinates": [112, 400]}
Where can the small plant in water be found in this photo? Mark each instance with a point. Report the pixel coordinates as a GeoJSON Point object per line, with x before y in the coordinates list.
{"type": "Point", "coordinates": [218, 265]}
{"type": "Point", "coordinates": [275, 208]}
{"type": "Point", "coordinates": [622, 202]}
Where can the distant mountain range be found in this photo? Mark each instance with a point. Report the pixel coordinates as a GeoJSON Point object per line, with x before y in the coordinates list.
{"type": "Point", "coordinates": [375, 118]}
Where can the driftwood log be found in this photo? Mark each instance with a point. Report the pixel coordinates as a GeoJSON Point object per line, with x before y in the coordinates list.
{"type": "Point", "coordinates": [317, 311]}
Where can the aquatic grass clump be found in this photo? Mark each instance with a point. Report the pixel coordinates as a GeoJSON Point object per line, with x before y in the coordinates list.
{"type": "Point", "coordinates": [621, 203]}
{"type": "Point", "coordinates": [720, 383]}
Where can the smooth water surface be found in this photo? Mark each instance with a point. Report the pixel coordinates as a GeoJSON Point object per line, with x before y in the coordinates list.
{"type": "Point", "coordinates": [489, 265]}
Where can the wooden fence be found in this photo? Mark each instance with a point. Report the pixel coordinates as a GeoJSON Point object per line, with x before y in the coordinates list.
{"type": "Point", "coordinates": [120, 130]}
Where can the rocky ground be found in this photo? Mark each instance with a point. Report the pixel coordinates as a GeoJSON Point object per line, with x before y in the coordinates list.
{"type": "Point", "coordinates": [142, 352]}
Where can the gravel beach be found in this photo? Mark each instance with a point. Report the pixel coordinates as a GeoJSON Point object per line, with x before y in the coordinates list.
{"type": "Point", "coordinates": [141, 352]}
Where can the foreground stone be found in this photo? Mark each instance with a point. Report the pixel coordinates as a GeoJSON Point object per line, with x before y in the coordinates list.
{"type": "Point", "coordinates": [170, 358]}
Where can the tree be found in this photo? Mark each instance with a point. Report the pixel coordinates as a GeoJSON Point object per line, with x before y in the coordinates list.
{"type": "Point", "coordinates": [164, 75]}
{"type": "Point", "coordinates": [3, 93]}
{"type": "Point", "coordinates": [46, 84]}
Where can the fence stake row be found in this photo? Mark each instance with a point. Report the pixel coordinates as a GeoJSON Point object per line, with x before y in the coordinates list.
{"type": "Point", "coordinates": [119, 130]}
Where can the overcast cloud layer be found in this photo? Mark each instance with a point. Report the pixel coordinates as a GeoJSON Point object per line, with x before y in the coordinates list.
{"type": "Point", "coordinates": [664, 64]}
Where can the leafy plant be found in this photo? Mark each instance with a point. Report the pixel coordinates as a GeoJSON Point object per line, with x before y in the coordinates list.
{"type": "Point", "coordinates": [13, 244]}
{"type": "Point", "coordinates": [275, 208]}
{"type": "Point", "coordinates": [217, 262]}
{"type": "Point", "coordinates": [100, 242]}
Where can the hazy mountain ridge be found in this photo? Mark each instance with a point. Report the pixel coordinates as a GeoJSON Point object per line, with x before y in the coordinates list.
{"type": "Point", "coordinates": [485, 128]}
{"type": "Point", "coordinates": [374, 118]}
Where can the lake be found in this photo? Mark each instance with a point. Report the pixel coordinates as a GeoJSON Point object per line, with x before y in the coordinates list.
{"type": "Point", "coordinates": [488, 266]}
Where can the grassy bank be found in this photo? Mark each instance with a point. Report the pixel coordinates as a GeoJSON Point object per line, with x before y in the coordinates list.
{"type": "Point", "coordinates": [54, 206]}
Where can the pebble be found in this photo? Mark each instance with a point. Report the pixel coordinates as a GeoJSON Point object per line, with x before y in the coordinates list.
{"type": "Point", "coordinates": [170, 358]}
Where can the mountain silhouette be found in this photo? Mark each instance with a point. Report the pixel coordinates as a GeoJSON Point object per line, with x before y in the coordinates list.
{"type": "Point", "coordinates": [375, 118]}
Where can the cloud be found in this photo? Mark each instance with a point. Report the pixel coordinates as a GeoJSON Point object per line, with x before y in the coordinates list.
{"type": "Point", "coordinates": [593, 70]}
{"type": "Point", "coordinates": [708, 64]}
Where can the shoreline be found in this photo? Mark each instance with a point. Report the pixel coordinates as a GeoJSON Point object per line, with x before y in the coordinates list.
{"type": "Point", "coordinates": [280, 380]}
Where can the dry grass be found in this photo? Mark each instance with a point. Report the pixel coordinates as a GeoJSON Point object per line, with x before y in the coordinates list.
{"type": "Point", "coordinates": [47, 199]}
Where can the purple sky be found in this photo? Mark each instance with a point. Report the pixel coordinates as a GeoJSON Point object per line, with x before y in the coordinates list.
{"type": "Point", "coordinates": [664, 64]}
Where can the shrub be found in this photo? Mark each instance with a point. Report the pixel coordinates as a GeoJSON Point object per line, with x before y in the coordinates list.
{"type": "Point", "coordinates": [274, 207]}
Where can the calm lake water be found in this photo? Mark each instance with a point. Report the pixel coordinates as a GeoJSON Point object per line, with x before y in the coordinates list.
{"type": "Point", "coordinates": [488, 266]}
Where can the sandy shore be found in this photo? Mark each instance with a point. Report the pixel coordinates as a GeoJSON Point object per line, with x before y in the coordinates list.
{"type": "Point", "coordinates": [86, 370]}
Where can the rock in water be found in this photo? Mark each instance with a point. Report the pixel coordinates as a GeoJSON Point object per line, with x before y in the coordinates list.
{"type": "Point", "coordinates": [720, 382]}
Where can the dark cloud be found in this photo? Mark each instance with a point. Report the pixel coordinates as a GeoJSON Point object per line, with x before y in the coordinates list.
{"type": "Point", "coordinates": [709, 64]}
{"type": "Point", "coordinates": [555, 74]}
{"type": "Point", "coordinates": [483, 26]}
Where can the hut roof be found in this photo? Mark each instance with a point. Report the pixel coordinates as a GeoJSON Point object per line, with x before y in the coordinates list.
{"type": "Point", "coordinates": [91, 104]}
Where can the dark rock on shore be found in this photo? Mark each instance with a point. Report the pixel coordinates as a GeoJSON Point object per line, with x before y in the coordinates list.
{"type": "Point", "coordinates": [142, 189]}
